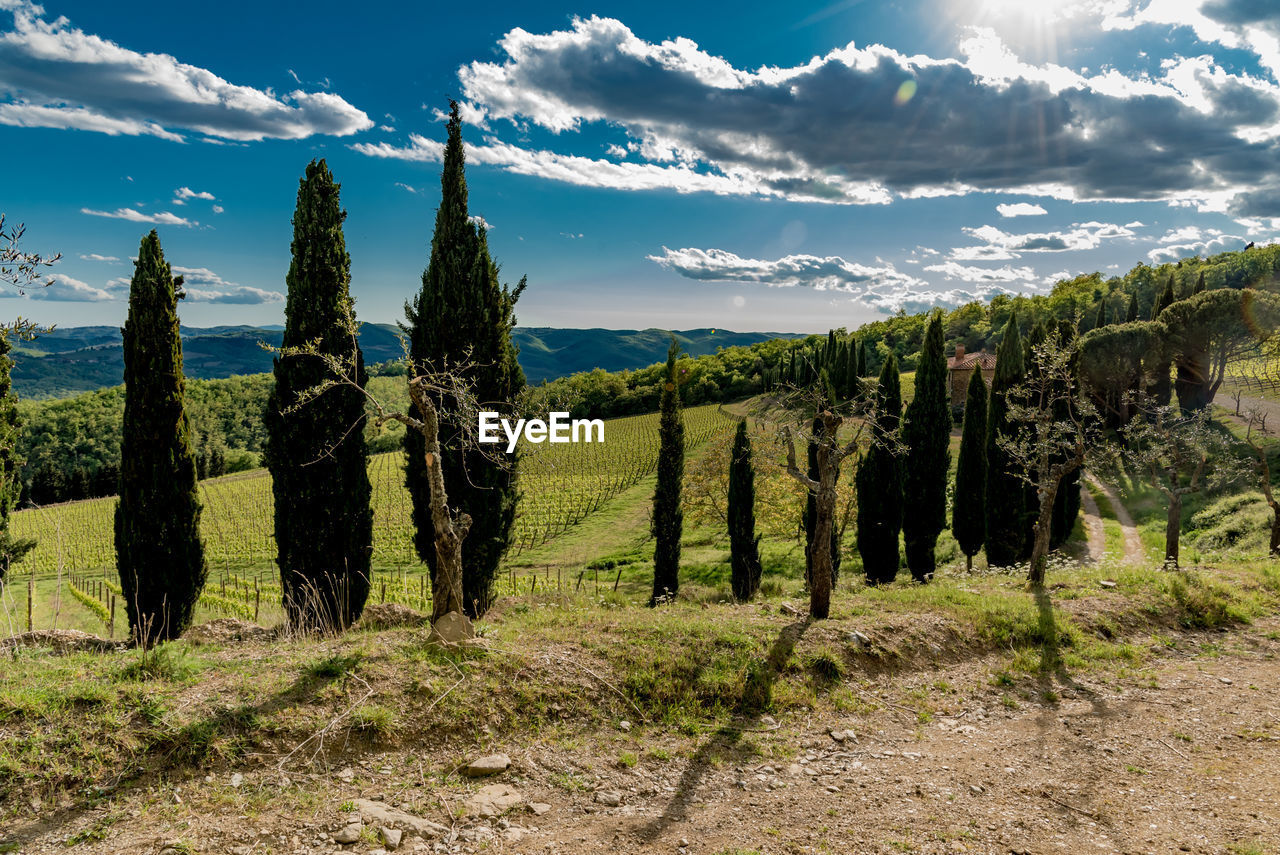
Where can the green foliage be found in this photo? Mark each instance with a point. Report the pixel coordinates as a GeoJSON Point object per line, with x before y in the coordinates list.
{"type": "Point", "coordinates": [926, 432]}
{"type": "Point", "coordinates": [744, 543]}
{"type": "Point", "coordinates": [159, 554]}
{"type": "Point", "coordinates": [1006, 506]}
{"type": "Point", "coordinates": [11, 550]}
{"type": "Point", "coordinates": [668, 517]}
{"type": "Point", "coordinates": [315, 449]}
{"type": "Point", "coordinates": [968, 514]}
{"type": "Point", "coordinates": [1209, 330]}
{"type": "Point", "coordinates": [879, 483]}
{"type": "Point", "coordinates": [461, 321]}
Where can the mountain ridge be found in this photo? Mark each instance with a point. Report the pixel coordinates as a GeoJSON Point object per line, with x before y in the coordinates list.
{"type": "Point", "coordinates": [70, 360]}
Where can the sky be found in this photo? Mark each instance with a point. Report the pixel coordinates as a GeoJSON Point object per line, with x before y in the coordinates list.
{"type": "Point", "coordinates": [755, 166]}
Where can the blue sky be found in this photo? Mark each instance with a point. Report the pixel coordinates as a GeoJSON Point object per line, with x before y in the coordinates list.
{"type": "Point", "coordinates": [752, 166]}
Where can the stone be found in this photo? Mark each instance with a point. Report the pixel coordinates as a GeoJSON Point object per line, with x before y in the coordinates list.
{"type": "Point", "coordinates": [452, 628]}
{"type": "Point", "coordinates": [349, 834]}
{"type": "Point", "coordinates": [490, 764]}
{"type": "Point", "coordinates": [377, 813]}
{"type": "Point", "coordinates": [624, 725]}
{"type": "Point", "coordinates": [609, 798]}
{"type": "Point", "coordinates": [390, 837]}
{"type": "Point", "coordinates": [493, 800]}
{"type": "Point", "coordinates": [237, 779]}
{"type": "Point", "coordinates": [1107, 583]}
{"type": "Point", "coordinates": [539, 808]}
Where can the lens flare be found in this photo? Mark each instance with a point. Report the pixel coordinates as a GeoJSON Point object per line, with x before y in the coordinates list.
{"type": "Point", "coordinates": [905, 92]}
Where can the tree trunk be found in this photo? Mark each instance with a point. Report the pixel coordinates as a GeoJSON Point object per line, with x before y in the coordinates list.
{"type": "Point", "coordinates": [1040, 541]}
{"type": "Point", "coordinates": [823, 567]}
{"type": "Point", "coordinates": [446, 584]}
{"type": "Point", "coordinates": [1173, 529]}
{"type": "Point", "coordinates": [1275, 531]}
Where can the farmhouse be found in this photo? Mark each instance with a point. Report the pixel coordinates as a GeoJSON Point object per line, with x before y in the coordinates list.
{"type": "Point", "coordinates": [961, 366]}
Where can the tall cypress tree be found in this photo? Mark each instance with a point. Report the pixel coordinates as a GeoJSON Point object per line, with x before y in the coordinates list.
{"type": "Point", "coordinates": [159, 555]}
{"type": "Point", "coordinates": [461, 322]}
{"type": "Point", "coordinates": [862, 358]}
{"type": "Point", "coordinates": [315, 450]}
{"type": "Point", "coordinates": [11, 550]}
{"type": "Point", "coordinates": [879, 484]}
{"type": "Point", "coordinates": [1101, 320]}
{"type": "Point", "coordinates": [968, 514]}
{"type": "Point", "coordinates": [1007, 541]}
{"type": "Point", "coordinates": [668, 518]}
{"type": "Point", "coordinates": [744, 543]}
{"type": "Point", "coordinates": [1199, 289]}
{"type": "Point", "coordinates": [1161, 388]}
{"type": "Point", "coordinates": [1132, 314]}
{"type": "Point", "coordinates": [926, 432]}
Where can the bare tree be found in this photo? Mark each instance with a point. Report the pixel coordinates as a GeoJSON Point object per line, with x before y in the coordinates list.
{"type": "Point", "coordinates": [450, 384]}
{"type": "Point", "coordinates": [1262, 465]}
{"type": "Point", "coordinates": [1054, 431]}
{"type": "Point", "coordinates": [831, 453]}
{"type": "Point", "coordinates": [21, 270]}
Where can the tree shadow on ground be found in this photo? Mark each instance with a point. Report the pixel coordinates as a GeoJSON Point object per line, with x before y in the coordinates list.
{"type": "Point", "coordinates": [192, 746]}
{"type": "Point", "coordinates": [1053, 673]}
{"type": "Point", "coordinates": [756, 697]}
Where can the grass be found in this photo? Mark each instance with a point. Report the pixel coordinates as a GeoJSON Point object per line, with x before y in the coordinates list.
{"type": "Point", "coordinates": [561, 667]}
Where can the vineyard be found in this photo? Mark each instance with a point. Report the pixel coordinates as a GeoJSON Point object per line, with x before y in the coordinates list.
{"type": "Point", "coordinates": [560, 486]}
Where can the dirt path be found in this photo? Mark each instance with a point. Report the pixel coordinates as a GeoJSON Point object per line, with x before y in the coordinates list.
{"type": "Point", "coordinates": [1133, 551]}
{"type": "Point", "coordinates": [1097, 535]}
{"type": "Point", "coordinates": [1179, 756]}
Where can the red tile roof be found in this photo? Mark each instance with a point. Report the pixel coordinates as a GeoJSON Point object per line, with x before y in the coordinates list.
{"type": "Point", "coordinates": [968, 360]}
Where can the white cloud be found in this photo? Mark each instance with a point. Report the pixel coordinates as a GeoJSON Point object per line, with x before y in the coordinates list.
{"type": "Point", "coordinates": [182, 194]}
{"type": "Point", "coordinates": [58, 76]}
{"type": "Point", "coordinates": [163, 218]}
{"type": "Point", "coordinates": [93, 256]}
{"type": "Point", "coordinates": [64, 289]}
{"type": "Point", "coordinates": [820, 131]}
{"type": "Point", "coordinates": [404, 186]}
{"type": "Point", "coordinates": [970, 273]}
{"type": "Point", "coordinates": [1192, 240]}
{"type": "Point", "coordinates": [881, 287]}
{"type": "Point", "coordinates": [998, 245]}
{"type": "Point", "coordinates": [218, 209]}
{"type": "Point", "coordinates": [480, 222]}
{"type": "Point", "coordinates": [1020, 209]}
{"type": "Point", "coordinates": [202, 285]}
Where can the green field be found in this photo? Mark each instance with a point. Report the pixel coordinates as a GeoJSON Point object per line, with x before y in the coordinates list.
{"type": "Point", "coordinates": [561, 485]}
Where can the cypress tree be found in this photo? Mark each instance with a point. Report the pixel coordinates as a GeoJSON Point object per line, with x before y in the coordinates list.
{"type": "Point", "coordinates": [744, 543]}
{"type": "Point", "coordinates": [668, 518]}
{"type": "Point", "coordinates": [817, 430]}
{"type": "Point", "coordinates": [315, 450]}
{"type": "Point", "coordinates": [460, 322]}
{"type": "Point", "coordinates": [1101, 320]}
{"type": "Point", "coordinates": [926, 432]}
{"type": "Point", "coordinates": [1132, 314]}
{"type": "Point", "coordinates": [879, 484]}
{"type": "Point", "coordinates": [159, 555]}
{"type": "Point", "coordinates": [1165, 300]}
{"type": "Point", "coordinates": [1007, 541]}
{"type": "Point", "coordinates": [1161, 388]}
{"type": "Point", "coordinates": [862, 358]}
{"type": "Point", "coordinates": [968, 514]}
{"type": "Point", "coordinates": [1199, 289]}
{"type": "Point", "coordinates": [11, 550]}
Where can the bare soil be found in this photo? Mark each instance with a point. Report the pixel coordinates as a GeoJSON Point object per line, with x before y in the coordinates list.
{"type": "Point", "coordinates": [1179, 756]}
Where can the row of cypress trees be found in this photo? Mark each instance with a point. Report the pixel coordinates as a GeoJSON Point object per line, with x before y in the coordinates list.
{"type": "Point", "coordinates": [459, 322]}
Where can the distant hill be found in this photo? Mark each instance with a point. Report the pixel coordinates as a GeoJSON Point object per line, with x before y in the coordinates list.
{"type": "Point", "coordinates": [79, 359]}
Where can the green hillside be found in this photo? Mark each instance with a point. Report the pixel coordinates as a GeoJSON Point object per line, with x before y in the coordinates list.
{"type": "Point", "coordinates": [70, 360]}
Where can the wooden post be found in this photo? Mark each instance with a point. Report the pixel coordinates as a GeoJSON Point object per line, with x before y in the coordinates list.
{"type": "Point", "coordinates": [384, 593]}
{"type": "Point", "coordinates": [111, 625]}
{"type": "Point", "coordinates": [31, 595]}
{"type": "Point", "coordinates": [256, 601]}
